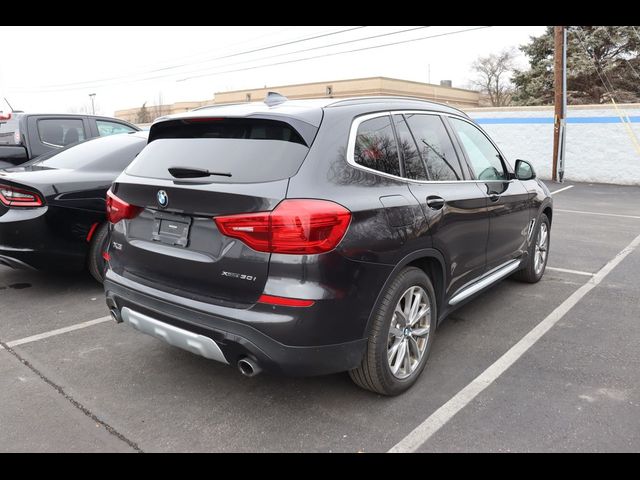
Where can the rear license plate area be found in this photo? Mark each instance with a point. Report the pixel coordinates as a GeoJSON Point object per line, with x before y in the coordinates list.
{"type": "Point", "coordinates": [171, 229]}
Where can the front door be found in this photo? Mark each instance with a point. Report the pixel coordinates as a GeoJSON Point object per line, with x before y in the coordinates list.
{"type": "Point", "coordinates": [509, 215]}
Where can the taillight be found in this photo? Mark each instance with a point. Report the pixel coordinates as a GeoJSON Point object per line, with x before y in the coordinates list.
{"type": "Point", "coordinates": [17, 197]}
{"type": "Point", "coordinates": [118, 209]}
{"type": "Point", "coordinates": [285, 301]}
{"type": "Point", "coordinates": [299, 227]}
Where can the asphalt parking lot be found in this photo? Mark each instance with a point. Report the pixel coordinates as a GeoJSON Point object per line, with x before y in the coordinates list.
{"type": "Point", "coordinates": [99, 386]}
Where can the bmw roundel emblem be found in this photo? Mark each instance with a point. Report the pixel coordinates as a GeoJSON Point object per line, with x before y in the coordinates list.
{"type": "Point", "coordinates": [163, 199]}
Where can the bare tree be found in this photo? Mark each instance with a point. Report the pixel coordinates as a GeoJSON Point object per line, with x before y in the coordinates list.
{"type": "Point", "coordinates": [79, 109]}
{"type": "Point", "coordinates": [158, 110]}
{"type": "Point", "coordinates": [143, 115]}
{"type": "Point", "coordinates": [493, 76]}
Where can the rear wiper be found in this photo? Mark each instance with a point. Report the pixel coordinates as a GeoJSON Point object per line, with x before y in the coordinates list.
{"type": "Point", "coordinates": [180, 172]}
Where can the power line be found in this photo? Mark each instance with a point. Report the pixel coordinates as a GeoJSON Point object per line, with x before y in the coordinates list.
{"type": "Point", "coordinates": [157, 77]}
{"type": "Point", "coordinates": [320, 47]}
{"type": "Point", "coordinates": [599, 69]}
{"type": "Point", "coordinates": [627, 124]}
{"type": "Point", "coordinates": [335, 53]}
{"type": "Point", "coordinates": [276, 63]}
{"type": "Point", "coordinates": [90, 83]}
{"type": "Point", "coordinates": [624, 58]}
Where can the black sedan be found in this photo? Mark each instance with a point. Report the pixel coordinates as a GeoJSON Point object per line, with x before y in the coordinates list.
{"type": "Point", "coordinates": [52, 209]}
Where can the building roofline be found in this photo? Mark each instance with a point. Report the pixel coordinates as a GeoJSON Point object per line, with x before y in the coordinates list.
{"type": "Point", "coordinates": [343, 80]}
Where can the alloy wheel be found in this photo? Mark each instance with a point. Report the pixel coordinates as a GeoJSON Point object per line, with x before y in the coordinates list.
{"type": "Point", "coordinates": [409, 332]}
{"type": "Point", "coordinates": [541, 250]}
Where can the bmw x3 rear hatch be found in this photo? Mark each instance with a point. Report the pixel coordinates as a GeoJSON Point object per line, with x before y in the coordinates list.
{"type": "Point", "coordinates": [166, 207]}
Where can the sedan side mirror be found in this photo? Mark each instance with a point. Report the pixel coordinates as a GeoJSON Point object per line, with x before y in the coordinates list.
{"type": "Point", "coordinates": [524, 170]}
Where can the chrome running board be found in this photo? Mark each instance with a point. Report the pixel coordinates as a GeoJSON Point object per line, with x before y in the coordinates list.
{"type": "Point", "coordinates": [498, 274]}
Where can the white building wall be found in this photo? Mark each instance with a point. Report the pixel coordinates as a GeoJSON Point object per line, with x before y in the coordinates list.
{"type": "Point", "coordinates": [596, 151]}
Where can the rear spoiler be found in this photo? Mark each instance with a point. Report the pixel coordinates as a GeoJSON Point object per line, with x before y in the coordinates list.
{"type": "Point", "coordinates": [162, 126]}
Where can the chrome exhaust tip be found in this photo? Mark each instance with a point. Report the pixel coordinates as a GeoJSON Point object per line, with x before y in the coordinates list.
{"type": "Point", "coordinates": [248, 367]}
{"type": "Point", "coordinates": [115, 314]}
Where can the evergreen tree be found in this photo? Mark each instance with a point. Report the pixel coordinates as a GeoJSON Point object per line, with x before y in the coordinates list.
{"type": "Point", "coordinates": [603, 62]}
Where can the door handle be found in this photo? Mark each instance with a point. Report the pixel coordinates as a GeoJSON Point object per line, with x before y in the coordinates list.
{"type": "Point", "coordinates": [434, 202]}
{"type": "Point", "coordinates": [494, 197]}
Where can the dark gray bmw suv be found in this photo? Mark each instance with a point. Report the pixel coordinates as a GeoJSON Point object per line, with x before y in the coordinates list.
{"type": "Point", "coordinates": [318, 236]}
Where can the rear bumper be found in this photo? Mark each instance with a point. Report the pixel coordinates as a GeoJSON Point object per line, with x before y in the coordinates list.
{"type": "Point", "coordinates": [28, 240]}
{"type": "Point", "coordinates": [9, 261]}
{"type": "Point", "coordinates": [175, 321]}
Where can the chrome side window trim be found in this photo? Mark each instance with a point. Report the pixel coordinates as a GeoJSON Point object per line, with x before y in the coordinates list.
{"type": "Point", "coordinates": [351, 147]}
{"type": "Point", "coordinates": [471, 122]}
{"type": "Point", "coordinates": [51, 144]}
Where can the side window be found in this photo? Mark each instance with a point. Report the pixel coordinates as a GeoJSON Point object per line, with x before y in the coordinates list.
{"type": "Point", "coordinates": [111, 128]}
{"type": "Point", "coordinates": [485, 159]}
{"type": "Point", "coordinates": [60, 132]}
{"type": "Point", "coordinates": [376, 146]}
{"type": "Point", "coordinates": [435, 147]}
{"type": "Point", "coordinates": [413, 166]}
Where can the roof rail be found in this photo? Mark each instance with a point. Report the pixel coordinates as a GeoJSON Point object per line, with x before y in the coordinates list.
{"type": "Point", "coordinates": [371, 98]}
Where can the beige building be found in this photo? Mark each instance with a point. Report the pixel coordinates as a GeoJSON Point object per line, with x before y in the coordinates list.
{"type": "Point", "coordinates": [132, 114]}
{"type": "Point", "coordinates": [372, 86]}
{"type": "Point", "coordinates": [358, 87]}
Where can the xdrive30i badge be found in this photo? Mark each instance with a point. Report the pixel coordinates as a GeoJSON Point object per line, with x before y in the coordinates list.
{"type": "Point", "coordinates": [240, 276]}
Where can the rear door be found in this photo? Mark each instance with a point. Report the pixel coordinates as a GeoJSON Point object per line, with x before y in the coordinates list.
{"type": "Point", "coordinates": [509, 215]}
{"type": "Point", "coordinates": [174, 244]}
{"type": "Point", "coordinates": [50, 132]}
{"type": "Point", "coordinates": [455, 208]}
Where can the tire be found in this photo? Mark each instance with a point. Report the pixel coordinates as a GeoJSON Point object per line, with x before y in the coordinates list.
{"type": "Point", "coordinates": [95, 262]}
{"type": "Point", "coordinates": [375, 372]}
{"type": "Point", "coordinates": [529, 274]}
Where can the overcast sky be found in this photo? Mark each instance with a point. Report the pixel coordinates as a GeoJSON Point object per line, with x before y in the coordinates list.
{"type": "Point", "coordinates": [54, 69]}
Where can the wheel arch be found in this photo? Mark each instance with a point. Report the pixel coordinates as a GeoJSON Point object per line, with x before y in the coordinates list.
{"type": "Point", "coordinates": [547, 208]}
{"type": "Point", "coordinates": [429, 260]}
{"type": "Point", "coordinates": [548, 211]}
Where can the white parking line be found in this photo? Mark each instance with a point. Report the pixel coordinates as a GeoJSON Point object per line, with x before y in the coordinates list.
{"type": "Point", "coordinates": [575, 272]}
{"type": "Point", "coordinates": [440, 417]}
{"type": "Point", "coordinates": [562, 190]}
{"type": "Point", "coordinates": [59, 331]}
{"type": "Point", "coordinates": [597, 213]}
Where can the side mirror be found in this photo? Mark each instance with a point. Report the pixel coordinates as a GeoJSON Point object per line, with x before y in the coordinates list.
{"type": "Point", "coordinates": [524, 170]}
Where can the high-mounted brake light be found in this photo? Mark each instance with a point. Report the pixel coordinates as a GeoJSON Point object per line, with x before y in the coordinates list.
{"type": "Point", "coordinates": [297, 226]}
{"type": "Point", "coordinates": [17, 197]}
{"type": "Point", "coordinates": [118, 209]}
{"type": "Point", "coordinates": [203, 119]}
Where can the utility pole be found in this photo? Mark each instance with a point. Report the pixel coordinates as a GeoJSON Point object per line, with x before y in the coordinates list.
{"type": "Point", "coordinates": [560, 101]}
{"type": "Point", "coordinates": [93, 107]}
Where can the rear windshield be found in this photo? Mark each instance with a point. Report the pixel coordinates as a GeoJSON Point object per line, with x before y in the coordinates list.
{"type": "Point", "coordinates": [111, 153]}
{"type": "Point", "coordinates": [8, 131]}
{"type": "Point", "coordinates": [250, 150]}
